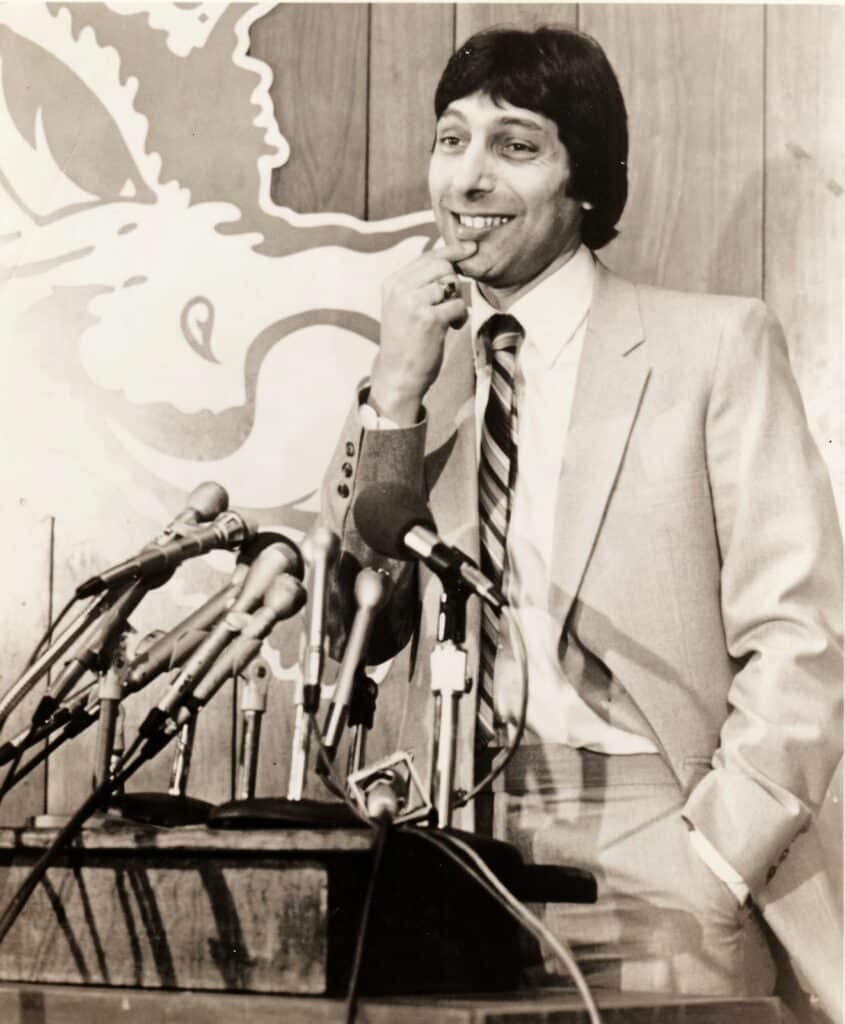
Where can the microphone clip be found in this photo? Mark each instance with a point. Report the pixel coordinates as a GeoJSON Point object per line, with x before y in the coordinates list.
{"type": "Point", "coordinates": [391, 789]}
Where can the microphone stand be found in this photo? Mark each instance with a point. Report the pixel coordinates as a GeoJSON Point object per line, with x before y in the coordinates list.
{"type": "Point", "coordinates": [109, 693]}
{"type": "Point", "coordinates": [362, 710]}
{"type": "Point", "coordinates": [18, 690]}
{"type": "Point", "coordinates": [253, 706]}
{"type": "Point", "coordinates": [322, 548]}
{"type": "Point", "coordinates": [158, 653]}
{"type": "Point", "coordinates": [449, 682]}
{"type": "Point", "coordinates": [372, 590]}
{"type": "Point", "coordinates": [103, 651]}
{"type": "Point", "coordinates": [174, 807]}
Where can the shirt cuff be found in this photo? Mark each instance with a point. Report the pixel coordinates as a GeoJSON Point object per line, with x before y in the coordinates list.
{"type": "Point", "coordinates": [370, 419]}
{"type": "Point", "coordinates": [719, 866]}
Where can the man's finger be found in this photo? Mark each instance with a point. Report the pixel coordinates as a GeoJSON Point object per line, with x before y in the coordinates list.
{"type": "Point", "coordinates": [451, 311]}
{"type": "Point", "coordinates": [457, 251]}
{"type": "Point", "coordinates": [428, 268]}
{"type": "Point", "coordinates": [441, 289]}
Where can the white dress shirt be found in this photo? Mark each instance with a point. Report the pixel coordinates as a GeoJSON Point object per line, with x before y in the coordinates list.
{"type": "Point", "coordinates": [553, 316]}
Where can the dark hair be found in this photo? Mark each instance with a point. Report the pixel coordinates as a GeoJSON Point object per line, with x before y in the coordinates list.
{"type": "Point", "coordinates": [564, 75]}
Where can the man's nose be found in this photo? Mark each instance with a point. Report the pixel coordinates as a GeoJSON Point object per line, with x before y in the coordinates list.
{"type": "Point", "coordinates": [474, 172]}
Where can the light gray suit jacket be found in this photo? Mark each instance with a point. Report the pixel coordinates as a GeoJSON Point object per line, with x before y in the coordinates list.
{"type": "Point", "coordinates": [697, 555]}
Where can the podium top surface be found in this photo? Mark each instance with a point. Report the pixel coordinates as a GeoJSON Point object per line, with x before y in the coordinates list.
{"type": "Point", "coordinates": [122, 836]}
{"type": "Point", "coordinates": [58, 1003]}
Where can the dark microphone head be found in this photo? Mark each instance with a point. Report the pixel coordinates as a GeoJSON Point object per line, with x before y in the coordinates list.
{"type": "Point", "coordinates": [385, 512]}
{"type": "Point", "coordinates": [207, 501]}
{"type": "Point", "coordinates": [253, 547]}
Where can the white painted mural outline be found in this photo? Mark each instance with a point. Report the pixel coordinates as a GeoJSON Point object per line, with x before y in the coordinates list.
{"type": "Point", "coordinates": [206, 355]}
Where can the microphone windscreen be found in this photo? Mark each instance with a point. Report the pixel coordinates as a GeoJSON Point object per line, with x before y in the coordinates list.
{"type": "Point", "coordinates": [253, 547]}
{"type": "Point", "coordinates": [385, 512]}
{"type": "Point", "coordinates": [208, 500]}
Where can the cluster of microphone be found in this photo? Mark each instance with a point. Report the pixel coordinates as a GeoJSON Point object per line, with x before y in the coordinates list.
{"type": "Point", "coordinates": [219, 640]}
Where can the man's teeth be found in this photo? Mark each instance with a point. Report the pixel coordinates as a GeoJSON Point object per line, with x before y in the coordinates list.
{"type": "Point", "coordinates": [482, 222]}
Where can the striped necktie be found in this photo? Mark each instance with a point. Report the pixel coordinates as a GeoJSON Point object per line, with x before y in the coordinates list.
{"type": "Point", "coordinates": [496, 479]}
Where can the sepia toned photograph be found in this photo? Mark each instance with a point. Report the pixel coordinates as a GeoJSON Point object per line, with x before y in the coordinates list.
{"type": "Point", "coordinates": [422, 512]}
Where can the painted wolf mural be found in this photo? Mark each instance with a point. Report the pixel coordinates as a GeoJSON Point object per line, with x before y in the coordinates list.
{"type": "Point", "coordinates": [163, 321]}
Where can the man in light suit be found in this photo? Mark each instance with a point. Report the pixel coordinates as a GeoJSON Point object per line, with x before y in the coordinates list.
{"type": "Point", "coordinates": [633, 467]}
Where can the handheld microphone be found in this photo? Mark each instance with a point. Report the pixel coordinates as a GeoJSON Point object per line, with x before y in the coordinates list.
{"type": "Point", "coordinates": [228, 530]}
{"type": "Point", "coordinates": [159, 652]}
{"type": "Point", "coordinates": [173, 647]}
{"type": "Point", "coordinates": [274, 561]}
{"type": "Point", "coordinates": [396, 523]}
{"type": "Point", "coordinates": [372, 592]}
{"type": "Point", "coordinates": [205, 502]}
{"type": "Point", "coordinates": [283, 599]}
{"type": "Point", "coordinates": [385, 796]}
{"type": "Point", "coordinates": [88, 657]}
{"type": "Point", "coordinates": [322, 547]}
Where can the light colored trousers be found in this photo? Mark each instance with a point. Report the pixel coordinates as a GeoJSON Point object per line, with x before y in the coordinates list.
{"type": "Point", "coordinates": [663, 921]}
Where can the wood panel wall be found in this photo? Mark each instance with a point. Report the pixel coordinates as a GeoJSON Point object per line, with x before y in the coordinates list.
{"type": "Point", "coordinates": [737, 185]}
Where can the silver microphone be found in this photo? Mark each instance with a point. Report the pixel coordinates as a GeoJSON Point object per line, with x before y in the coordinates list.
{"type": "Point", "coordinates": [373, 588]}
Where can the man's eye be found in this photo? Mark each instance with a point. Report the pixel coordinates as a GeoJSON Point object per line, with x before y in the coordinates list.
{"type": "Point", "coordinates": [449, 141]}
{"type": "Point", "coordinates": [519, 149]}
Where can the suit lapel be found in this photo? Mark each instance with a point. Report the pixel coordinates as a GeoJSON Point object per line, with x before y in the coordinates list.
{"type": "Point", "coordinates": [612, 376]}
{"type": "Point", "coordinates": [451, 473]}
{"type": "Point", "coordinates": [452, 486]}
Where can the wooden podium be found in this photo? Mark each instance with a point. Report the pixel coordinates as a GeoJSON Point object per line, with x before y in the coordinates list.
{"type": "Point", "coordinates": [194, 926]}
{"type": "Point", "coordinates": [261, 911]}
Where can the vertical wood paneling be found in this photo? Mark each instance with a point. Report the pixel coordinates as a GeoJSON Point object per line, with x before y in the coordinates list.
{"type": "Point", "coordinates": [24, 616]}
{"type": "Point", "coordinates": [410, 44]}
{"type": "Point", "coordinates": [318, 53]}
{"type": "Point", "coordinates": [692, 77]}
{"type": "Point", "coordinates": [470, 18]}
{"type": "Point", "coordinates": [805, 206]}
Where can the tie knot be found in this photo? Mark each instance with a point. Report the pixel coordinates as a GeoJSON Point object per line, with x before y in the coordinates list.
{"type": "Point", "coordinates": [501, 333]}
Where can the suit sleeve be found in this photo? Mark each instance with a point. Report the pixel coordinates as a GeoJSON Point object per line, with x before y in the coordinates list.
{"type": "Point", "coordinates": [781, 599]}
{"type": "Point", "coordinates": [363, 457]}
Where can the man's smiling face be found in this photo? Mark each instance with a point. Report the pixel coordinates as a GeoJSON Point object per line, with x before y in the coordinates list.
{"type": "Point", "coordinates": [499, 175]}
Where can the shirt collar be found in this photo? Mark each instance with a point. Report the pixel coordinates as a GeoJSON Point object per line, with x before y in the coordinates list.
{"type": "Point", "coordinates": [550, 313]}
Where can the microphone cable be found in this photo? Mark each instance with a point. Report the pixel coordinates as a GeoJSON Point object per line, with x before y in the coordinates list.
{"type": "Point", "coordinates": [75, 724]}
{"type": "Point", "coordinates": [380, 831]}
{"type": "Point", "coordinates": [48, 632]}
{"type": "Point", "coordinates": [72, 724]}
{"type": "Point", "coordinates": [504, 756]}
{"type": "Point", "coordinates": [143, 748]}
{"type": "Point", "coordinates": [9, 781]}
{"type": "Point", "coordinates": [123, 770]}
{"type": "Point", "coordinates": [480, 872]}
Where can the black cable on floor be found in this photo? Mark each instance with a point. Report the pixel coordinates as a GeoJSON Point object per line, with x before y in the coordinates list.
{"type": "Point", "coordinates": [48, 632]}
{"type": "Point", "coordinates": [379, 843]}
